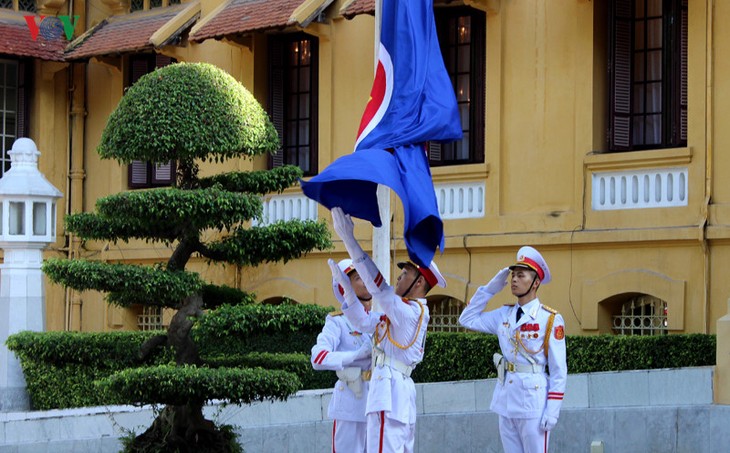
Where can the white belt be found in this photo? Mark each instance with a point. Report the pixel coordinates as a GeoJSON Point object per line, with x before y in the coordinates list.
{"type": "Point", "coordinates": [395, 364]}
{"type": "Point", "coordinates": [523, 368]}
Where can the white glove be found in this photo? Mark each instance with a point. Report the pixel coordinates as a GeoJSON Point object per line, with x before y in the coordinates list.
{"type": "Point", "coordinates": [498, 282]}
{"type": "Point", "coordinates": [345, 229]}
{"type": "Point", "coordinates": [366, 268]}
{"type": "Point", "coordinates": [350, 357]}
{"type": "Point", "coordinates": [551, 414]}
{"type": "Point", "coordinates": [339, 279]}
{"type": "Point", "coordinates": [547, 423]}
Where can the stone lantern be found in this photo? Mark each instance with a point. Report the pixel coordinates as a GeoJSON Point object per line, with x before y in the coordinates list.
{"type": "Point", "coordinates": [27, 226]}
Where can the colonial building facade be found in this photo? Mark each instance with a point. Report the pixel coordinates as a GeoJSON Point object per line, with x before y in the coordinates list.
{"type": "Point", "coordinates": [589, 133]}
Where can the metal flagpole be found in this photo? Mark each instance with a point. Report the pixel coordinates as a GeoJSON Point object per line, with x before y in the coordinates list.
{"type": "Point", "coordinates": [381, 235]}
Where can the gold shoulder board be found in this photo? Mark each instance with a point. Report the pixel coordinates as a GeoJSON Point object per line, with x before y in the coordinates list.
{"type": "Point", "coordinates": [336, 313]}
{"type": "Point", "coordinates": [550, 309]}
{"type": "Point", "coordinates": [509, 305]}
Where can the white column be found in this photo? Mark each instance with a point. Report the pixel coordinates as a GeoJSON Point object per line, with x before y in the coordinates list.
{"type": "Point", "coordinates": [22, 307]}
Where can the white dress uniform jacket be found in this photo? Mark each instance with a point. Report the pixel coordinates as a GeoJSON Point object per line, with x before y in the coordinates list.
{"type": "Point", "coordinates": [523, 395]}
{"type": "Point", "coordinates": [337, 337]}
{"type": "Point", "coordinates": [400, 331]}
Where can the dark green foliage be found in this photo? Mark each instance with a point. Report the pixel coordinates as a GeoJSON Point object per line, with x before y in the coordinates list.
{"type": "Point", "coordinates": [164, 214]}
{"type": "Point", "coordinates": [128, 283]}
{"type": "Point", "coordinates": [233, 330]}
{"type": "Point", "coordinates": [99, 349]}
{"type": "Point", "coordinates": [258, 182]}
{"type": "Point", "coordinates": [214, 296]}
{"type": "Point", "coordinates": [612, 352]}
{"type": "Point", "coordinates": [456, 357]}
{"type": "Point", "coordinates": [60, 367]}
{"type": "Point", "coordinates": [187, 111]}
{"type": "Point", "coordinates": [181, 385]}
{"type": "Point", "coordinates": [281, 241]}
{"type": "Point", "coordinates": [63, 386]}
{"type": "Point", "coordinates": [296, 363]}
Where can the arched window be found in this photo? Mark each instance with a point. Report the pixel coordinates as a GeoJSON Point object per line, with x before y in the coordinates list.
{"type": "Point", "coordinates": [445, 312]}
{"type": "Point", "coordinates": [641, 315]}
{"type": "Point", "coordinates": [279, 300]}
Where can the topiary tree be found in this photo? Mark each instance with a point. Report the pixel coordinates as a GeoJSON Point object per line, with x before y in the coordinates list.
{"type": "Point", "coordinates": [187, 113]}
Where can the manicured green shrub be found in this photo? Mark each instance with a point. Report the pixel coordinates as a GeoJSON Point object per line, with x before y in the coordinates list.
{"type": "Point", "coordinates": [233, 330]}
{"type": "Point", "coordinates": [187, 384]}
{"type": "Point", "coordinates": [298, 364]}
{"type": "Point", "coordinates": [61, 367]}
{"type": "Point", "coordinates": [459, 356]}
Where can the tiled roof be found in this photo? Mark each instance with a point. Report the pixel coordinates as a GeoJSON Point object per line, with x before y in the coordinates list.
{"type": "Point", "coordinates": [243, 16]}
{"type": "Point", "coordinates": [358, 7]}
{"type": "Point", "coordinates": [122, 34]}
{"type": "Point", "coordinates": [16, 40]}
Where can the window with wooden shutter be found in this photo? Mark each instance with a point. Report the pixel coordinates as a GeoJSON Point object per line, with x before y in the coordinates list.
{"type": "Point", "coordinates": [293, 76]}
{"type": "Point", "coordinates": [15, 89]}
{"type": "Point", "coordinates": [142, 174]}
{"type": "Point", "coordinates": [647, 74]}
{"type": "Point", "coordinates": [462, 36]}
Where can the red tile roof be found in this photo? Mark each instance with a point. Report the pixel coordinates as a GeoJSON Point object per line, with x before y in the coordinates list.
{"type": "Point", "coordinates": [359, 7]}
{"type": "Point", "coordinates": [243, 16]}
{"type": "Point", "coordinates": [16, 40]}
{"type": "Point", "coordinates": [122, 34]}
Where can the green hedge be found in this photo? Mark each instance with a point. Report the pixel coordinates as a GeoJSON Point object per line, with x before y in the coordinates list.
{"type": "Point", "coordinates": [234, 330]}
{"type": "Point", "coordinates": [461, 356]}
{"type": "Point", "coordinates": [60, 367]}
{"type": "Point", "coordinates": [179, 385]}
{"type": "Point", "coordinates": [296, 363]}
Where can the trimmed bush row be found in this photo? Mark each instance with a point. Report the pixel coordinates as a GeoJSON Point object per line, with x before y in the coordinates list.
{"type": "Point", "coordinates": [240, 344]}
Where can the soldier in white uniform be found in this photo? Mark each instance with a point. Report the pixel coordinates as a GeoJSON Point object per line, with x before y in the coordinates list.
{"type": "Point", "coordinates": [531, 337]}
{"type": "Point", "coordinates": [399, 335]}
{"type": "Point", "coordinates": [343, 349]}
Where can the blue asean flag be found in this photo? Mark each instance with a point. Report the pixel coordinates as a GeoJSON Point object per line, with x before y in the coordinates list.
{"type": "Point", "coordinates": [411, 102]}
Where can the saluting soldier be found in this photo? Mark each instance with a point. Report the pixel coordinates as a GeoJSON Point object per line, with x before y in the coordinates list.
{"type": "Point", "coordinates": [342, 348]}
{"type": "Point", "coordinates": [532, 369]}
{"type": "Point", "coordinates": [399, 336]}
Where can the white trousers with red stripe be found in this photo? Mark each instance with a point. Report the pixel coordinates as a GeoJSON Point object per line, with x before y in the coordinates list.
{"type": "Point", "coordinates": [348, 437]}
{"type": "Point", "coordinates": [523, 435]}
{"type": "Point", "coordinates": [386, 435]}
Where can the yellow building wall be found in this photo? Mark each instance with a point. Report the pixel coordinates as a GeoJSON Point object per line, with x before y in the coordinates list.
{"type": "Point", "coordinates": [545, 137]}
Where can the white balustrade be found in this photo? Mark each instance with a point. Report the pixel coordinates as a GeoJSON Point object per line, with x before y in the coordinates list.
{"type": "Point", "coordinates": [636, 189]}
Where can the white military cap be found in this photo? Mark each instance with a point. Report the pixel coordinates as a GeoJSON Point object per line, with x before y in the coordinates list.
{"type": "Point", "coordinates": [529, 258]}
{"type": "Point", "coordinates": [431, 274]}
{"type": "Point", "coordinates": [347, 268]}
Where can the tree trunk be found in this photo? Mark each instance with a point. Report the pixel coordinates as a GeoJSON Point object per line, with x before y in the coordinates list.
{"type": "Point", "coordinates": [178, 334]}
{"type": "Point", "coordinates": [183, 429]}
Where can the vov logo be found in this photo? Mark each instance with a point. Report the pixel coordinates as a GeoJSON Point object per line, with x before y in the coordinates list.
{"type": "Point", "coordinates": [51, 27]}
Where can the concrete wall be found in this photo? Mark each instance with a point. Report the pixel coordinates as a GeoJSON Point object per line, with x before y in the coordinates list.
{"type": "Point", "coordinates": [633, 411]}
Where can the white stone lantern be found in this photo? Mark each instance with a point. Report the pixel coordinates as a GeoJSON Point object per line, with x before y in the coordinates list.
{"type": "Point", "coordinates": [27, 226]}
{"type": "Point", "coordinates": [27, 201]}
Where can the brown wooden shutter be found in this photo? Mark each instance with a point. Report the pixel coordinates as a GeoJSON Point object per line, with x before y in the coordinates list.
{"type": "Point", "coordinates": [478, 75]}
{"type": "Point", "coordinates": [162, 60]}
{"type": "Point", "coordinates": [140, 67]}
{"type": "Point", "coordinates": [620, 75]}
{"type": "Point", "coordinates": [138, 171]}
{"type": "Point", "coordinates": [434, 151]}
{"type": "Point", "coordinates": [277, 94]}
{"type": "Point", "coordinates": [163, 174]}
